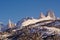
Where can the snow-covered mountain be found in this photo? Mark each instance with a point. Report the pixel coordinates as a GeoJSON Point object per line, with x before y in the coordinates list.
{"type": "Point", "coordinates": [44, 26]}
{"type": "Point", "coordinates": [43, 20]}
{"type": "Point", "coordinates": [50, 23]}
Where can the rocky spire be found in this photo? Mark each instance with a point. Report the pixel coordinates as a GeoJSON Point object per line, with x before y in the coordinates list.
{"type": "Point", "coordinates": [42, 15]}
{"type": "Point", "coordinates": [11, 24]}
{"type": "Point", "coordinates": [51, 14]}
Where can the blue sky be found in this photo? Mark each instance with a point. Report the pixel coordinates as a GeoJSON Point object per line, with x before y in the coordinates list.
{"type": "Point", "coordinates": [18, 9]}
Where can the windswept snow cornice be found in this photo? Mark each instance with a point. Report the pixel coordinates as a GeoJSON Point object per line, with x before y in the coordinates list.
{"type": "Point", "coordinates": [32, 21]}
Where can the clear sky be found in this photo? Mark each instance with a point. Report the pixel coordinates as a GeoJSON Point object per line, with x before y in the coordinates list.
{"type": "Point", "coordinates": [18, 9]}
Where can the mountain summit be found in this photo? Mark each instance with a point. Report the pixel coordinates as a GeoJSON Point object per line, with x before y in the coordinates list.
{"type": "Point", "coordinates": [51, 14]}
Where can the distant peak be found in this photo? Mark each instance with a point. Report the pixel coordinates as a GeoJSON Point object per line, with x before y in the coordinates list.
{"type": "Point", "coordinates": [11, 24]}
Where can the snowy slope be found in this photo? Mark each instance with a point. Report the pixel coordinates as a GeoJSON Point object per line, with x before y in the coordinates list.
{"type": "Point", "coordinates": [53, 29]}
{"type": "Point", "coordinates": [32, 21]}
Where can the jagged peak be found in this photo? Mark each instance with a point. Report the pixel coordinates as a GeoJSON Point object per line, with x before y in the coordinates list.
{"type": "Point", "coordinates": [51, 14]}
{"type": "Point", "coordinates": [9, 21]}
{"type": "Point", "coordinates": [11, 24]}
{"type": "Point", "coordinates": [42, 15]}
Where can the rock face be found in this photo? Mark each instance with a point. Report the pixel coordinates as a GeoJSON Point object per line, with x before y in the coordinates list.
{"type": "Point", "coordinates": [44, 28]}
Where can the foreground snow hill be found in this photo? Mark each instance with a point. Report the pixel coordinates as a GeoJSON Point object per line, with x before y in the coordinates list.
{"type": "Point", "coordinates": [39, 32]}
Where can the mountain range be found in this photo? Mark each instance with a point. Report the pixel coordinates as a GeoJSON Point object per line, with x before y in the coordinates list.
{"type": "Point", "coordinates": [46, 27]}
